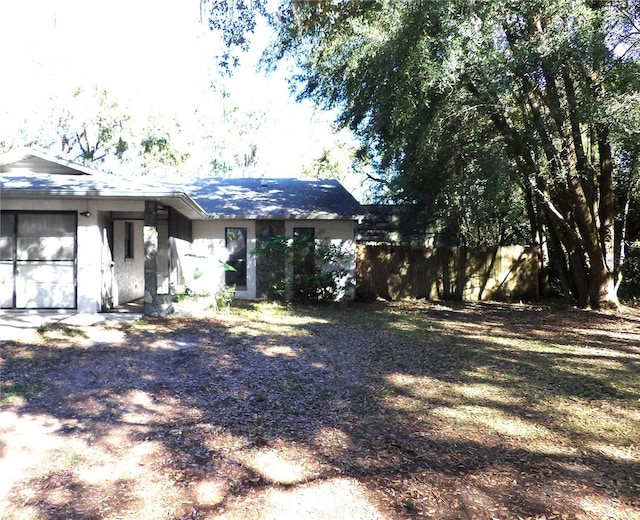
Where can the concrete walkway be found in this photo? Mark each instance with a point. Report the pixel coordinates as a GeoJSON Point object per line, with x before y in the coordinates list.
{"type": "Point", "coordinates": [22, 325]}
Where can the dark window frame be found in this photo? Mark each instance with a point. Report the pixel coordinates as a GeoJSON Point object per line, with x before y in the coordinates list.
{"type": "Point", "coordinates": [308, 262]}
{"type": "Point", "coordinates": [14, 260]}
{"type": "Point", "coordinates": [237, 257]}
{"type": "Point", "coordinates": [129, 243]}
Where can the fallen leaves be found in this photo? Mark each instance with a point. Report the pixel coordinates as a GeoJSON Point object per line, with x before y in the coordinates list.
{"type": "Point", "coordinates": [388, 410]}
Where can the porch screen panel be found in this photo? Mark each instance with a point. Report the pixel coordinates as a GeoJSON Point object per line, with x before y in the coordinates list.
{"type": "Point", "coordinates": [46, 237]}
{"type": "Point", "coordinates": [45, 261]}
{"type": "Point", "coordinates": [7, 249]}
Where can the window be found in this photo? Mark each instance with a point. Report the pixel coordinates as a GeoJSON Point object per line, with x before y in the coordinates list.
{"type": "Point", "coordinates": [128, 239]}
{"type": "Point", "coordinates": [304, 262]}
{"type": "Point", "coordinates": [236, 243]}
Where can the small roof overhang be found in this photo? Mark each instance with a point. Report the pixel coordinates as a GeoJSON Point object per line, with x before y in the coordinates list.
{"type": "Point", "coordinates": [98, 186]}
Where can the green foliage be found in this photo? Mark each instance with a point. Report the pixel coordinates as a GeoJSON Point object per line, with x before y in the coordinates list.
{"type": "Point", "coordinates": [224, 296]}
{"type": "Point", "coordinates": [159, 152]}
{"type": "Point", "coordinates": [226, 267]}
{"type": "Point", "coordinates": [183, 294]}
{"type": "Point", "coordinates": [630, 283]}
{"type": "Point", "coordinates": [92, 126]}
{"type": "Point", "coordinates": [236, 21]}
{"type": "Point", "coordinates": [335, 162]}
{"type": "Point", "coordinates": [271, 257]}
{"type": "Point", "coordinates": [318, 269]}
{"type": "Point", "coordinates": [15, 391]}
{"type": "Point", "coordinates": [505, 120]}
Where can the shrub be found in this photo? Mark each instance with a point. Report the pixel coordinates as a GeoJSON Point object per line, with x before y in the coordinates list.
{"type": "Point", "coordinates": [318, 269]}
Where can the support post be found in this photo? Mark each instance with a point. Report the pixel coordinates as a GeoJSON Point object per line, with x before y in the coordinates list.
{"type": "Point", "coordinates": [154, 305]}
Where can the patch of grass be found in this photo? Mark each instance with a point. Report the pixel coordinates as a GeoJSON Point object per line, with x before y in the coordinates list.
{"type": "Point", "coordinates": [14, 392]}
{"type": "Point", "coordinates": [74, 459]}
{"type": "Point", "coordinates": [60, 331]}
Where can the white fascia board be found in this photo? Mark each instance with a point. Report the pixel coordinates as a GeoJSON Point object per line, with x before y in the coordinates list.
{"type": "Point", "coordinates": [178, 200]}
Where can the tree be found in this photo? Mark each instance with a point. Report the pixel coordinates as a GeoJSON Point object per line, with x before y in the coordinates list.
{"type": "Point", "coordinates": [236, 21]}
{"type": "Point", "coordinates": [545, 75]}
{"type": "Point", "coordinates": [91, 127]}
{"type": "Point", "coordinates": [335, 161]}
{"type": "Point", "coordinates": [159, 153]}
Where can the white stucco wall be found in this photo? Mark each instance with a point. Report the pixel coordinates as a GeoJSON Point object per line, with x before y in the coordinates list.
{"type": "Point", "coordinates": [201, 261]}
{"type": "Point", "coordinates": [338, 232]}
{"type": "Point", "coordinates": [90, 253]}
{"type": "Point", "coordinates": [128, 273]}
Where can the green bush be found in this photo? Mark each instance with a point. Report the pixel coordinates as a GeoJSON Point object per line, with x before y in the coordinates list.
{"type": "Point", "coordinates": [224, 297]}
{"type": "Point", "coordinates": [320, 268]}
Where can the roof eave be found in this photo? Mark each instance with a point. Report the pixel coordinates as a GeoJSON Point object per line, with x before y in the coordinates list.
{"type": "Point", "coordinates": [288, 216]}
{"type": "Point", "coordinates": [186, 202]}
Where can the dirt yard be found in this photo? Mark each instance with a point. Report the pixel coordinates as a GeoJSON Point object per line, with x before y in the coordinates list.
{"type": "Point", "coordinates": [371, 411]}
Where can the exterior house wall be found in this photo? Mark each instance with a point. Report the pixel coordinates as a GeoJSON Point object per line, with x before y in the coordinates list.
{"type": "Point", "coordinates": [93, 255]}
{"type": "Point", "coordinates": [339, 233]}
{"type": "Point", "coordinates": [46, 268]}
{"type": "Point", "coordinates": [200, 262]}
{"type": "Point", "coordinates": [128, 273]}
{"type": "Point", "coordinates": [89, 245]}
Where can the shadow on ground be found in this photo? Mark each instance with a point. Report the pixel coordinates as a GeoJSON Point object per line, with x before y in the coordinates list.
{"type": "Point", "coordinates": [368, 411]}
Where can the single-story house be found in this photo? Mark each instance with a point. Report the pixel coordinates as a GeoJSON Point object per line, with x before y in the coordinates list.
{"type": "Point", "coordinates": [75, 238]}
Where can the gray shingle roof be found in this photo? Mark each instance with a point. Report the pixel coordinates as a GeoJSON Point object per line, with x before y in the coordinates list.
{"type": "Point", "coordinates": [213, 198]}
{"type": "Point", "coordinates": [273, 198]}
{"type": "Point", "coordinates": [40, 184]}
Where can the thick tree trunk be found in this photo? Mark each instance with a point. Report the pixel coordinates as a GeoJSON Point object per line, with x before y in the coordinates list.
{"type": "Point", "coordinates": [557, 256]}
{"type": "Point", "coordinates": [603, 290]}
{"type": "Point", "coordinates": [577, 226]}
{"type": "Point", "coordinates": [580, 278]}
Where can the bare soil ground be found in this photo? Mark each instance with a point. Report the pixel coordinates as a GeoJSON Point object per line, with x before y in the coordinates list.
{"type": "Point", "coordinates": [371, 411]}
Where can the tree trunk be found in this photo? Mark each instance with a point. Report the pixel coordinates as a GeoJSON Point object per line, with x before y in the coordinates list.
{"type": "Point", "coordinates": [557, 257]}
{"type": "Point", "coordinates": [603, 290]}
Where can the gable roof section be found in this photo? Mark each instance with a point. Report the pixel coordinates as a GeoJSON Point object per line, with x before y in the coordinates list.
{"type": "Point", "coordinates": [274, 198]}
{"type": "Point", "coordinates": [100, 186]}
{"type": "Point", "coordinates": [39, 161]}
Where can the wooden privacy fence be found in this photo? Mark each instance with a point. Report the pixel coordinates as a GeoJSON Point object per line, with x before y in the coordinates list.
{"type": "Point", "coordinates": [459, 273]}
